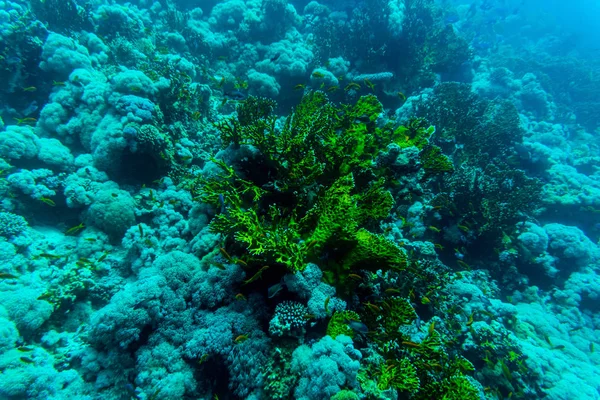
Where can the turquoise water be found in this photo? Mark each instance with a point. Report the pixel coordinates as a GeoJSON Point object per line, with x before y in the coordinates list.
{"type": "Point", "coordinates": [265, 199]}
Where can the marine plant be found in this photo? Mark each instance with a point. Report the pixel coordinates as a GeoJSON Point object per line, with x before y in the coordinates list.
{"type": "Point", "coordinates": [316, 188]}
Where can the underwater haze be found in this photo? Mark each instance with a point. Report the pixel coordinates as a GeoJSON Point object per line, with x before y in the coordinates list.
{"type": "Point", "coordinates": [315, 200]}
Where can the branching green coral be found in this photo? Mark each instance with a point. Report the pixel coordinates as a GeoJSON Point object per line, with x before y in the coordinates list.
{"type": "Point", "coordinates": [373, 251]}
{"type": "Point", "coordinates": [401, 376]}
{"type": "Point", "coordinates": [367, 108]}
{"type": "Point", "coordinates": [311, 162]}
{"type": "Point", "coordinates": [345, 395]}
{"type": "Point", "coordinates": [399, 312]}
{"type": "Point", "coordinates": [460, 388]}
{"type": "Point", "coordinates": [416, 133]}
{"type": "Point", "coordinates": [338, 324]}
{"type": "Point", "coordinates": [434, 161]}
{"type": "Point", "coordinates": [335, 215]}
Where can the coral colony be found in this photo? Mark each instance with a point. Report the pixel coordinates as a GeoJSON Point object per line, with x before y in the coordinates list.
{"type": "Point", "coordinates": [273, 199]}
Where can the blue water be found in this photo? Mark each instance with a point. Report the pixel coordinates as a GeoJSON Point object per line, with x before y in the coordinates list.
{"type": "Point", "coordinates": [266, 199]}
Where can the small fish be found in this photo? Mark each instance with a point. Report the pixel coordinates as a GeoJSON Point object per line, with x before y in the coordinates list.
{"type": "Point", "coordinates": [30, 89]}
{"type": "Point", "coordinates": [47, 201]}
{"type": "Point", "coordinates": [141, 229]}
{"type": "Point", "coordinates": [218, 265]}
{"type": "Point", "coordinates": [372, 307]}
{"type": "Point", "coordinates": [438, 246]}
{"type": "Point", "coordinates": [311, 244]}
{"type": "Point", "coordinates": [425, 300]}
{"type": "Point", "coordinates": [222, 58]}
{"type": "Point", "coordinates": [256, 276]}
{"type": "Point", "coordinates": [318, 75]}
{"type": "Point", "coordinates": [240, 297]}
{"type": "Point", "coordinates": [435, 229]}
{"type": "Point", "coordinates": [203, 359]}
{"type": "Point", "coordinates": [411, 344]}
{"type": "Point", "coordinates": [225, 254]}
{"type": "Point", "coordinates": [57, 83]}
{"type": "Point", "coordinates": [300, 86]}
{"type": "Point", "coordinates": [393, 291]}
{"type": "Point", "coordinates": [103, 256]}
{"type": "Point", "coordinates": [463, 228]}
{"type": "Point", "coordinates": [357, 326]}
{"type": "Point", "coordinates": [275, 289]}
{"type": "Point", "coordinates": [402, 96]}
{"type": "Point", "coordinates": [352, 86]}
{"type": "Point", "coordinates": [241, 338]}
{"type": "Point", "coordinates": [332, 89]}
{"type": "Point", "coordinates": [275, 57]}
{"type": "Point", "coordinates": [25, 349]}
{"type": "Point", "coordinates": [370, 84]}
{"type": "Point", "coordinates": [235, 95]}
{"type": "Point", "coordinates": [470, 321]}
{"type": "Point", "coordinates": [559, 347]}
{"type": "Point", "coordinates": [463, 264]}
{"type": "Point", "coordinates": [91, 240]}
{"type": "Point", "coordinates": [309, 316]}
{"type": "Point", "coordinates": [196, 115]}
{"type": "Point", "coordinates": [241, 262]}
{"type": "Point", "coordinates": [221, 82]}
{"type": "Point", "coordinates": [356, 277]}
{"type": "Point", "coordinates": [592, 347]}
{"type": "Point", "coordinates": [48, 255]}
{"type": "Point", "coordinates": [6, 275]}
{"type": "Point", "coordinates": [26, 360]}
{"type": "Point", "coordinates": [431, 328]}
{"type": "Point", "coordinates": [45, 296]}
{"type": "Point", "coordinates": [326, 305]}
{"type": "Point", "coordinates": [75, 229]}
{"type": "Point", "coordinates": [386, 306]}
{"type": "Point", "coordinates": [114, 195]}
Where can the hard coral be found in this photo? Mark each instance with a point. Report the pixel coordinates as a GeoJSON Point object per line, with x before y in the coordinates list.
{"type": "Point", "coordinates": [11, 224]}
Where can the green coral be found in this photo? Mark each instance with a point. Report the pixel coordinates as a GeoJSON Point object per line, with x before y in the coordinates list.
{"type": "Point", "coordinates": [459, 387]}
{"type": "Point", "coordinates": [416, 133]}
{"type": "Point", "coordinates": [335, 214]}
{"type": "Point", "coordinates": [401, 375]}
{"type": "Point", "coordinates": [338, 324]}
{"type": "Point", "coordinates": [345, 395]}
{"type": "Point", "coordinates": [434, 161]}
{"type": "Point", "coordinates": [399, 312]}
{"type": "Point", "coordinates": [373, 251]}
{"type": "Point", "coordinates": [367, 108]}
{"type": "Point", "coordinates": [322, 190]}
